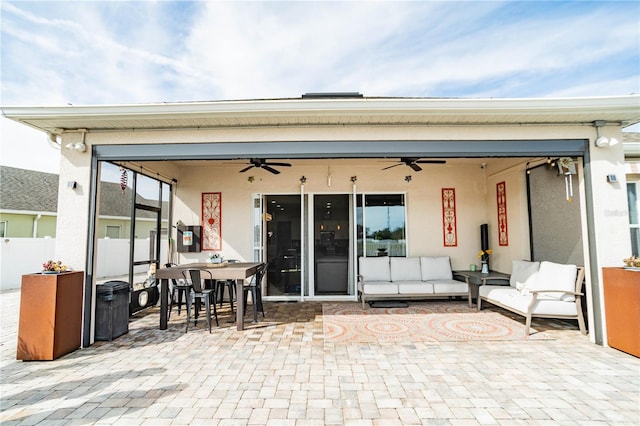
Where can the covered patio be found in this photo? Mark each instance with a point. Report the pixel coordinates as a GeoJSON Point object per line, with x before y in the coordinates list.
{"type": "Point", "coordinates": [341, 149]}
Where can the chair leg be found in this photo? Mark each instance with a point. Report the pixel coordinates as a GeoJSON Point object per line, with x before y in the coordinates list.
{"type": "Point", "coordinates": [208, 308]}
{"type": "Point", "coordinates": [231, 285]}
{"type": "Point", "coordinates": [259, 300]}
{"type": "Point", "coordinates": [188, 314]}
{"type": "Point", "coordinates": [254, 300]}
{"type": "Point", "coordinates": [527, 325]}
{"type": "Point", "coordinates": [171, 296]}
{"type": "Point", "coordinates": [581, 324]}
{"type": "Point", "coordinates": [215, 312]}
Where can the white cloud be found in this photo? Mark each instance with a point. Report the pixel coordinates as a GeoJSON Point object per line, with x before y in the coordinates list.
{"type": "Point", "coordinates": [133, 52]}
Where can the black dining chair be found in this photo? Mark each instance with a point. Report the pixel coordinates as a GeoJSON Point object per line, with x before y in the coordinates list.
{"type": "Point", "coordinates": [255, 288]}
{"type": "Point", "coordinates": [180, 288]}
{"type": "Point", "coordinates": [200, 293]}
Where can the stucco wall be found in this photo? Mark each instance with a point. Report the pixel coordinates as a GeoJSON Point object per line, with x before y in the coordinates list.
{"type": "Point", "coordinates": [423, 198]}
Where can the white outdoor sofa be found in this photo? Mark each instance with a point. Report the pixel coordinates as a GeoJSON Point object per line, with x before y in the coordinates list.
{"type": "Point", "coordinates": [424, 277]}
{"type": "Point", "coordinates": [539, 289]}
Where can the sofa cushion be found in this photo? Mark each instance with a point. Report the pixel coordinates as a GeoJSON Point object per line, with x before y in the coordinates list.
{"type": "Point", "coordinates": [414, 287]}
{"type": "Point", "coordinates": [449, 286]}
{"type": "Point", "coordinates": [435, 268]}
{"type": "Point", "coordinates": [375, 268]}
{"type": "Point", "coordinates": [523, 274]}
{"type": "Point", "coordinates": [557, 276]}
{"type": "Point", "coordinates": [379, 287]}
{"type": "Point", "coordinates": [405, 269]}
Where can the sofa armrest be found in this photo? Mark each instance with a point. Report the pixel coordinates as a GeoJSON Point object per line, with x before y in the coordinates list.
{"type": "Point", "coordinates": [484, 280]}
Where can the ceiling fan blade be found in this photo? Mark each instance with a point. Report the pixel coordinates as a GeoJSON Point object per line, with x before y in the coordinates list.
{"type": "Point", "coordinates": [389, 167]}
{"type": "Point", "coordinates": [270, 169]}
{"type": "Point", "coordinates": [431, 161]}
{"type": "Point", "coordinates": [246, 168]}
{"type": "Point", "coordinates": [415, 167]}
{"type": "Point", "coordinates": [278, 164]}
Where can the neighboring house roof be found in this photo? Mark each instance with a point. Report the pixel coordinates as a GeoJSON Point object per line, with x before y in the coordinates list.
{"type": "Point", "coordinates": [28, 190]}
{"type": "Point", "coordinates": [328, 110]}
{"type": "Point", "coordinates": [33, 191]}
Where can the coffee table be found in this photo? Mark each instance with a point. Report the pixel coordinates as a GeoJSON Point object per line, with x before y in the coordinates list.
{"type": "Point", "coordinates": [477, 278]}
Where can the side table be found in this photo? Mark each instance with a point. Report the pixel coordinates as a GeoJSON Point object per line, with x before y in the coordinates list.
{"type": "Point", "coordinates": [476, 278]}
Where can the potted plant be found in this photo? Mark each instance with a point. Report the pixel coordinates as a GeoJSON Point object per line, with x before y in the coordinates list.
{"type": "Point", "coordinates": [483, 255]}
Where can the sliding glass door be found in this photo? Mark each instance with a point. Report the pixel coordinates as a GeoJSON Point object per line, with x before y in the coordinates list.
{"type": "Point", "coordinates": [283, 245]}
{"type": "Point", "coordinates": [331, 244]}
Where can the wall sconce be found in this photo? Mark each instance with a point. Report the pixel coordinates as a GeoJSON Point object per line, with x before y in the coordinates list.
{"type": "Point", "coordinates": [303, 180]}
{"type": "Point", "coordinates": [78, 146]}
{"type": "Point", "coordinates": [407, 178]}
{"type": "Point", "coordinates": [603, 141]}
{"type": "Point", "coordinates": [72, 184]}
{"type": "Point", "coordinates": [354, 179]}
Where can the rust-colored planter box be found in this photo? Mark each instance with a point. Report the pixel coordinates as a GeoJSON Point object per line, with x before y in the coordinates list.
{"type": "Point", "coordinates": [622, 307]}
{"type": "Point", "coordinates": [50, 322]}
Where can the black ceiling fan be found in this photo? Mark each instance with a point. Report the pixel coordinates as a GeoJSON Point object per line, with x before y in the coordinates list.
{"type": "Point", "coordinates": [413, 163]}
{"type": "Point", "coordinates": [261, 163]}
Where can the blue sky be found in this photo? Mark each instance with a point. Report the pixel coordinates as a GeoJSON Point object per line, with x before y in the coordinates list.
{"type": "Point", "coordinates": [115, 52]}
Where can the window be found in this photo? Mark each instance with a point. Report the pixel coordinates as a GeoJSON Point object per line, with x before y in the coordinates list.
{"type": "Point", "coordinates": [112, 231]}
{"type": "Point", "coordinates": [633, 193]}
{"type": "Point", "coordinates": [381, 225]}
{"type": "Point", "coordinates": [3, 229]}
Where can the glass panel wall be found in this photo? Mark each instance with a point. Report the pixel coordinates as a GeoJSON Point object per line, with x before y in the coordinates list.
{"type": "Point", "coordinates": [381, 227]}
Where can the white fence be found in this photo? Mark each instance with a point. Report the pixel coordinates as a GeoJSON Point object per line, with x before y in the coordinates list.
{"type": "Point", "coordinates": [19, 256]}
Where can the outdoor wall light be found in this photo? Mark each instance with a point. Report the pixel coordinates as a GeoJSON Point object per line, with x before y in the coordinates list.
{"type": "Point", "coordinates": [78, 146]}
{"type": "Point", "coordinates": [354, 179]}
{"type": "Point", "coordinates": [303, 180]}
{"type": "Point", "coordinates": [603, 141]}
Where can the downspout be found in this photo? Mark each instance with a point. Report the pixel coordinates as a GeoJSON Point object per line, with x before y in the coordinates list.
{"type": "Point", "coordinates": [35, 225]}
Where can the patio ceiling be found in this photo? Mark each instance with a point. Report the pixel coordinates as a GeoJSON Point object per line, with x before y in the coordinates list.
{"type": "Point", "coordinates": [621, 110]}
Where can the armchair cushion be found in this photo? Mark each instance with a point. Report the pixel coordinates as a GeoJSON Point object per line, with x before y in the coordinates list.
{"type": "Point", "coordinates": [556, 276]}
{"type": "Point", "coordinates": [436, 268]}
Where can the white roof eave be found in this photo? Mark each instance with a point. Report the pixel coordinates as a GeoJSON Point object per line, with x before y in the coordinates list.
{"type": "Point", "coordinates": [621, 109]}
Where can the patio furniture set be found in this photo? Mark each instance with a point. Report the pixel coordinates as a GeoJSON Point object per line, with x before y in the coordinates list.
{"type": "Point", "coordinates": [533, 289]}
{"type": "Point", "coordinates": [204, 283]}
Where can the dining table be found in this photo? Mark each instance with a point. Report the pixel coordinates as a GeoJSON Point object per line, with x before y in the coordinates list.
{"type": "Point", "coordinates": [238, 271]}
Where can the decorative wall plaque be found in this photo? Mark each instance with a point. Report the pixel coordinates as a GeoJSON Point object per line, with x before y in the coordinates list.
{"type": "Point", "coordinates": [449, 217]}
{"type": "Point", "coordinates": [211, 221]}
{"type": "Point", "coordinates": [501, 196]}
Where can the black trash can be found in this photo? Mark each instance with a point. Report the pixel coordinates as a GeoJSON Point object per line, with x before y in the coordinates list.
{"type": "Point", "coordinates": [112, 310]}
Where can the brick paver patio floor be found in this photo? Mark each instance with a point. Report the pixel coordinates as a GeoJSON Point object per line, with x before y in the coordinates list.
{"type": "Point", "coordinates": [281, 372]}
